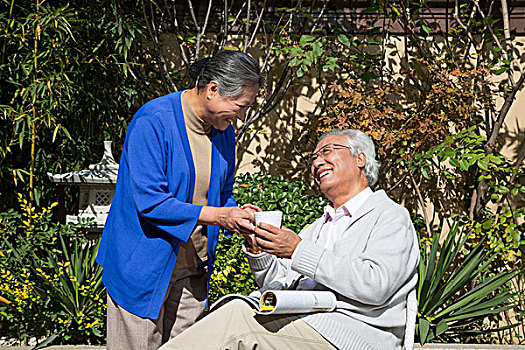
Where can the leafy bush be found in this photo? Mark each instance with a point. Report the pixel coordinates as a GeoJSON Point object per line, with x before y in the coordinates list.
{"type": "Point", "coordinates": [232, 273]}
{"type": "Point", "coordinates": [461, 159]}
{"type": "Point", "coordinates": [50, 284]}
{"type": "Point", "coordinates": [457, 291]}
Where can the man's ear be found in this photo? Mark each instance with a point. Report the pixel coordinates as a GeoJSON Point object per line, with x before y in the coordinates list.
{"type": "Point", "coordinates": [212, 89]}
{"type": "Point", "coordinates": [361, 160]}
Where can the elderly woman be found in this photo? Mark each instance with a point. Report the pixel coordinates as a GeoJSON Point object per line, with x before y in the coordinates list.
{"type": "Point", "coordinates": [174, 191]}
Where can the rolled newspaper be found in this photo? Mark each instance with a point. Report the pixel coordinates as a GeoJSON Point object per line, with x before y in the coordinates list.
{"type": "Point", "coordinates": [296, 301]}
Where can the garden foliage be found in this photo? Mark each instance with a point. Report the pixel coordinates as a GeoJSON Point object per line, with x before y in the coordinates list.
{"type": "Point", "coordinates": [50, 285]}
{"type": "Point", "coordinates": [64, 88]}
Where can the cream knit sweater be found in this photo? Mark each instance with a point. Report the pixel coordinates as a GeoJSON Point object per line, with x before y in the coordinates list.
{"type": "Point", "coordinates": [371, 269]}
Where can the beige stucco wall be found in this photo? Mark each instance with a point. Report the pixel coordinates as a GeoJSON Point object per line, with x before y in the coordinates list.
{"type": "Point", "coordinates": [273, 142]}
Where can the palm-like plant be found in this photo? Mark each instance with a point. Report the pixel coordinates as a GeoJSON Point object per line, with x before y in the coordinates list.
{"type": "Point", "coordinates": [455, 291]}
{"type": "Point", "coordinates": [70, 282]}
{"type": "Point", "coordinates": [74, 282]}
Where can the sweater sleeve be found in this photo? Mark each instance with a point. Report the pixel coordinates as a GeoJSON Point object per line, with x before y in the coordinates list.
{"type": "Point", "coordinates": [267, 268]}
{"type": "Point", "coordinates": [375, 274]}
{"type": "Point", "coordinates": [147, 157]}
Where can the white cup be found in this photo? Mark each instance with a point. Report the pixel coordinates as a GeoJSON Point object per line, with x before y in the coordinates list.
{"type": "Point", "coordinates": [269, 217]}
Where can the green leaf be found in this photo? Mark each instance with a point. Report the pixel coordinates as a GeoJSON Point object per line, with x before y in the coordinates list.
{"type": "Point", "coordinates": [46, 342]}
{"type": "Point", "coordinates": [483, 164]}
{"type": "Point", "coordinates": [305, 40]}
{"type": "Point", "coordinates": [454, 162]}
{"type": "Point", "coordinates": [441, 328]}
{"type": "Point", "coordinates": [296, 52]}
{"type": "Point", "coordinates": [501, 70]}
{"type": "Point", "coordinates": [503, 189]}
{"type": "Point", "coordinates": [424, 172]}
{"type": "Point", "coordinates": [317, 51]}
{"type": "Point", "coordinates": [463, 165]}
{"type": "Point", "coordinates": [343, 39]}
{"type": "Point", "coordinates": [424, 327]}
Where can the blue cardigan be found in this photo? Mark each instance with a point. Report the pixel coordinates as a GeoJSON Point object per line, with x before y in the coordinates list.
{"type": "Point", "coordinates": [151, 212]}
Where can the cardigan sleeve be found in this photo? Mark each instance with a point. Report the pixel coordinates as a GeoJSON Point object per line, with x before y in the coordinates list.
{"type": "Point", "coordinates": [147, 157]}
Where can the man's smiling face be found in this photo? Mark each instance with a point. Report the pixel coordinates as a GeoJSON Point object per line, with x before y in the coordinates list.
{"type": "Point", "coordinates": [338, 172]}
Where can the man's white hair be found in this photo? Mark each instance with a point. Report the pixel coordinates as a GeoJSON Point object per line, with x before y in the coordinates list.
{"type": "Point", "coordinates": [359, 142]}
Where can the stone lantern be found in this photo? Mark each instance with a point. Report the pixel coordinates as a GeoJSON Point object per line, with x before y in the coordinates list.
{"type": "Point", "coordinates": [97, 186]}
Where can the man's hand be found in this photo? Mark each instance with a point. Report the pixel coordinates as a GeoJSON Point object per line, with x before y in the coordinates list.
{"type": "Point", "coordinates": [280, 242]}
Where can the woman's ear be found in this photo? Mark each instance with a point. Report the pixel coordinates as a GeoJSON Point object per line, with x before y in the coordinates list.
{"type": "Point", "coordinates": [212, 89]}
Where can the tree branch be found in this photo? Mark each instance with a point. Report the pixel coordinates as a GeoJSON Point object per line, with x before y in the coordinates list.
{"type": "Point", "coordinates": [421, 203]}
{"type": "Point", "coordinates": [259, 19]}
{"type": "Point", "coordinates": [508, 42]}
{"type": "Point", "coordinates": [192, 13]}
{"type": "Point", "coordinates": [247, 25]}
{"type": "Point", "coordinates": [491, 143]}
{"type": "Point", "coordinates": [496, 40]}
{"type": "Point", "coordinates": [479, 197]}
{"type": "Point", "coordinates": [178, 35]}
{"type": "Point", "coordinates": [201, 33]}
{"type": "Point", "coordinates": [166, 79]}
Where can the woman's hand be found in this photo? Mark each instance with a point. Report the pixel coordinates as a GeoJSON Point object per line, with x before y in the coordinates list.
{"type": "Point", "coordinates": [230, 218]}
{"type": "Point", "coordinates": [251, 208]}
{"type": "Point", "coordinates": [250, 242]}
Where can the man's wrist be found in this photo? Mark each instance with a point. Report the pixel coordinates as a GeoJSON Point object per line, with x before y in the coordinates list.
{"type": "Point", "coordinates": [253, 251]}
{"type": "Point", "coordinates": [250, 248]}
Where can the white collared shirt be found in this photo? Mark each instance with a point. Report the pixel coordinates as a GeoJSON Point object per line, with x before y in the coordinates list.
{"type": "Point", "coordinates": [336, 221]}
{"type": "Point", "coordinates": [334, 226]}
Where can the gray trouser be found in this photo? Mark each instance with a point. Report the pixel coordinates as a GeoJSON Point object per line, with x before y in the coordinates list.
{"type": "Point", "coordinates": [235, 326]}
{"type": "Point", "coordinates": [183, 306]}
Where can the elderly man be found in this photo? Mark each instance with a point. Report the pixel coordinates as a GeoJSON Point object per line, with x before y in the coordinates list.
{"type": "Point", "coordinates": [364, 249]}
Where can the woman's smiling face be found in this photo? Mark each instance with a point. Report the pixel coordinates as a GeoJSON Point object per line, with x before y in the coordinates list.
{"type": "Point", "coordinates": [223, 111]}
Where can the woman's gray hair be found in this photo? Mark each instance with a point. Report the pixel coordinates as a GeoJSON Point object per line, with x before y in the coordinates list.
{"type": "Point", "coordinates": [359, 142]}
{"type": "Point", "coordinates": [232, 70]}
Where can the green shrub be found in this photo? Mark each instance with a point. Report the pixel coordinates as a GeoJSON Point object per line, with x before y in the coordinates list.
{"type": "Point", "coordinates": [232, 273]}
{"type": "Point", "coordinates": [50, 284]}
{"type": "Point", "coordinates": [457, 292]}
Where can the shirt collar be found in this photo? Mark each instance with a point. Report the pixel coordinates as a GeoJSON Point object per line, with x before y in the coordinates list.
{"type": "Point", "coordinates": [348, 207]}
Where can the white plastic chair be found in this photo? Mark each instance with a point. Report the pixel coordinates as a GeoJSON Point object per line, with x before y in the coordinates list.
{"type": "Point", "coordinates": [411, 320]}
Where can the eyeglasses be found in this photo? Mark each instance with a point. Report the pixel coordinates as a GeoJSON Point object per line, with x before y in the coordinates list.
{"type": "Point", "coordinates": [325, 151]}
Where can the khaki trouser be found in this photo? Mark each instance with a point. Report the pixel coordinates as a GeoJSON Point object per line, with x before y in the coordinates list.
{"type": "Point", "coordinates": [235, 326]}
{"type": "Point", "coordinates": [183, 306]}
